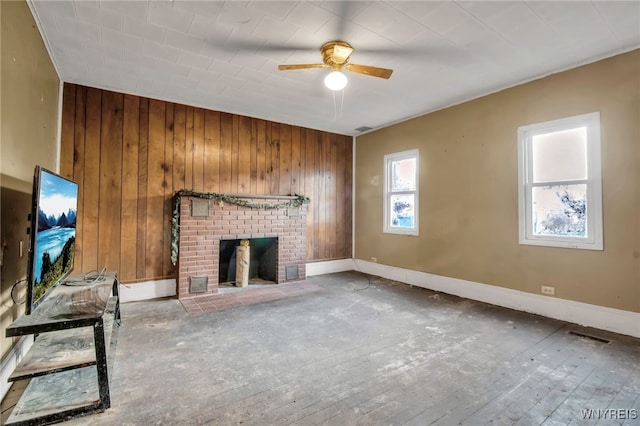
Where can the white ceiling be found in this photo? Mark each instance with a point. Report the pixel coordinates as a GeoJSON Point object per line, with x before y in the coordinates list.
{"type": "Point", "coordinates": [224, 55]}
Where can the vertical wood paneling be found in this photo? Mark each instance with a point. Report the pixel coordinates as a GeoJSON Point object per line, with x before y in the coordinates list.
{"type": "Point", "coordinates": [261, 157]}
{"type": "Point", "coordinates": [211, 170]}
{"type": "Point", "coordinates": [91, 200]}
{"type": "Point", "coordinates": [155, 188]}
{"type": "Point", "coordinates": [339, 197]}
{"type": "Point", "coordinates": [235, 153]}
{"type": "Point", "coordinates": [198, 149]}
{"type": "Point", "coordinates": [274, 166]}
{"type": "Point", "coordinates": [332, 210]}
{"type": "Point", "coordinates": [129, 214]}
{"type": "Point", "coordinates": [284, 161]}
{"type": "Point", "coordinates": [78, 166]}
{"type": "Point", "coordinates": [110, 191]}
{"type": "Point", "coordinates": [244, 155]}
{"type": "Point", "coordinates": [267, 158]}
{"type": "Point", "coordinates": [179, 148]}
{"type": "Point", "coordinates": [318, 206]}
{"type": "Point", "coordinates": [253, 152]}
{"type": "Point", "coordinates": [323, 217]}
{"type": "Point", "coordinates": [226, 134]}
{"type": "Point", "coordinates": [295, 161]}
{"type": "Point", "coordinates": [188, 160]}
{"type": "Point", "coordinates": [130, 154]}
{"type": "Point", "coordinates": [310, 191]}
{"type": "Point", "coordinates": [143, 179]}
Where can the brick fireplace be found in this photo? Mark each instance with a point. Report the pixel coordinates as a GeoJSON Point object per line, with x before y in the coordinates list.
{"type": "Point", "coordinates": [204, 223]}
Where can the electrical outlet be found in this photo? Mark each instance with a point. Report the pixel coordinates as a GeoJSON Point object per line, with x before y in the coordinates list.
{"type": "Point", "coordinates": [374, 259]}
{"type": "Point", "coordinates": [548, 290]}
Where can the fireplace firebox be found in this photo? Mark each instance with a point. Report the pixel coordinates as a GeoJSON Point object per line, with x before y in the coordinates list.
{"type": "Point", "coordinates": [262, 261]}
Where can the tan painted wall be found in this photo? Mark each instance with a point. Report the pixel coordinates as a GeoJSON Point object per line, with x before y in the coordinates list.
{"type": "Point", "coordinates": [28, 136]}
{"type": "Point", "coordinates": [469, 194]}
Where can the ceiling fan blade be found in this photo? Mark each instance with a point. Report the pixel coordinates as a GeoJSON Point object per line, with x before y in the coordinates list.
{"type": "Point", "coordinates": [369, 70]}
{"type": "Point", "coordinates": [301, 66]}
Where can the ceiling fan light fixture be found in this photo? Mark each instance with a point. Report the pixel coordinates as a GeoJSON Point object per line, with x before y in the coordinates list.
{"type": "Point", "coordinates": [335, 80]}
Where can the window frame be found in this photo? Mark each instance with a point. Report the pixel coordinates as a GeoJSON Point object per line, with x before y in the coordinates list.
{"type": "Point", "coordinates": [388, 192]}
{"type": "Point", "coordinates": [593, 182]}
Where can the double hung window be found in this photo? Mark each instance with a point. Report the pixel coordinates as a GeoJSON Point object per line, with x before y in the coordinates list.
{"type": "Point", "coordinates": [560, 189]}
{"type": "Point", "coordinates": [401, 193]}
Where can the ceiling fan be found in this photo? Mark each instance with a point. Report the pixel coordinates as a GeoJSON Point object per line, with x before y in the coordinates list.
{"type": "Point", "coordinates": [335, 55]}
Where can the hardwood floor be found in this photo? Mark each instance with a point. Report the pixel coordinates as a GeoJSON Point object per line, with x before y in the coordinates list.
{"type": "Point", "coordinates": [366, 353]}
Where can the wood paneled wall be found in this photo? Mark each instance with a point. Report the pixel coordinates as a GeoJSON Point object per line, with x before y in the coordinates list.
{"type": "Point", "coordinates": [130, 154]}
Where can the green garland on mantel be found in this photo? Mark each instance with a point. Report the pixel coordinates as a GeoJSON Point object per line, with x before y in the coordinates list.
{"type": "Point", "coordinates": [298, 201]}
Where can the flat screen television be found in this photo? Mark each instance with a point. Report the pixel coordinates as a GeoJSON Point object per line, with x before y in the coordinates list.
{"type": "Point", "coordinates": [53, 234]}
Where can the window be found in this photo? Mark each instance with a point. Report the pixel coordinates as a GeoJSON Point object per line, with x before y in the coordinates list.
{"type": "Point", "coordinates": [560, 189]}
{"type": "Point", "coordinates": [401, 193]}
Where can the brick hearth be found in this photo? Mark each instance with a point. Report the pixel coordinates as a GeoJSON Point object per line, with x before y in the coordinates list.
{"type": "Point", "coordinates": [203, 223]}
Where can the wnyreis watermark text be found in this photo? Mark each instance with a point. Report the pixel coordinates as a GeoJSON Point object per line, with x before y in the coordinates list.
{"type": "Point", "coordinates": [609, 414]}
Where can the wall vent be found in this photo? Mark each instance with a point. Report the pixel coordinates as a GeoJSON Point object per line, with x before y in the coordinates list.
{"type": "Point", "coordinates": [199, 208]}
{"type": "Point", "coordinates": [293, 211]}
{"type": "Point", "coordinates": [292, 272]}
{"type": "Point", "coordinates": [198, 284]}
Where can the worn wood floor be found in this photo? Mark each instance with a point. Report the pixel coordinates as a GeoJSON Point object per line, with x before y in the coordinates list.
{"type": "Point", "coordinates": [366, 353]}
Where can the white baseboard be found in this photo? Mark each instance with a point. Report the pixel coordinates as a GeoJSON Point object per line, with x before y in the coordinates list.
{"type": "Point", "coordinates": [329, 267]}
{"type": "Point", "coordinates": [10, 362]}
{"type": "Point", "coordinates": [615, 320]}
{"type": "Point", "coordinates": [147, 290]}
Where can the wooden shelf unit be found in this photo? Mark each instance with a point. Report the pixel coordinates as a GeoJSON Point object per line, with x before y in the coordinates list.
{"type": "Point", "coordinates": [69, 363]}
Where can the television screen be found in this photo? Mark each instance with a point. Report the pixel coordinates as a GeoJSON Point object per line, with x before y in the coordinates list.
{"type": "Point", "coordinates": [53, 233]}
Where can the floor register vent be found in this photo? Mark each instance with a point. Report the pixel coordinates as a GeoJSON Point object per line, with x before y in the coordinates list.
{"type": "Point", "coordinates": [291, 272]}
{"type": "Point", "coordinates": [198, 284]}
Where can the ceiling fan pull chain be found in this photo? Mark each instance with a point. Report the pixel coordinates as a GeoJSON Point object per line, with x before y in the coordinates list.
{"type": "Point", "coordinates": [337, 111]}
